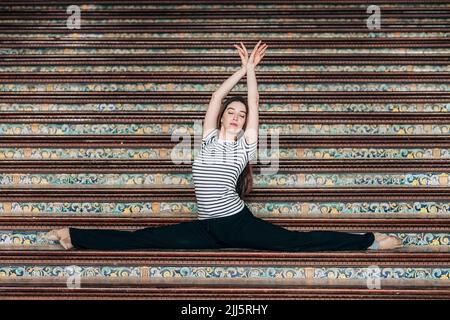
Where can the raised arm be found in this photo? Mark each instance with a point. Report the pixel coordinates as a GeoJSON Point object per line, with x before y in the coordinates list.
{"type": "Point", "coordinates": [216, 99]}
{"type": "Point", "coordinates": [252, 129]}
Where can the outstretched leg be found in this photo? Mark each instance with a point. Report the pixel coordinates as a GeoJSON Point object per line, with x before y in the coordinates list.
{"type": "Point", "coordinates": [185, 235]}
{"type": "Point", "coordinates": [255, 233]}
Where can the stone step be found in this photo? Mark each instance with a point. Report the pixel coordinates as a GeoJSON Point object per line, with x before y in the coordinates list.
{"type": "Point", "coordinates": [99, 86]}
{"type": "Point", "coordinates": [395, 128]}
{"type": "Point", "coordinates": [283, 77]}
{"type": "Point", "coordinates": [378, 202]}
{"type": "Point", "coordinates": [273, 108]}
{"type": "Point", "coordinates": [123, 23]}
{"type": "Point", "coordinates": [19, 238]}
{"type": "Point", "coordinates": [251, 269]}
{"type": "Point", "coordinates": [437, 224]}
{"type": "Point", "coordinates": [285, 13]}
{"type": "Point", "coordinates": [43, 30]}
{"type": "Point", "coordinates": [362, 33]}
{"type": "Point", "coordinates": [394, 22]}
{"type": "Point", "coordinates": [205, 97]}
{"type": "Point", "coordinates": [422, 209]}
{"type": "Point", "coordinates": [104, 193]}
{"type": "Point", "coordinates": [106, 69]}
{"type": "Point", "coordinates": [87, 178]}
{"type": "Point", "coordinates": [417, 150]}
{"type": "Point", "coordinates": [284, 174]}
{"type": "Point", "coordinates": [321, 5]}
{"type": "Point", "coordinates": [393, 51]}
{"type": "Point", "coordinates": [197, 61]}
{"type": "Point", "coordinates": [198, 292]}
{"type": "Point", "coordinates": [286, 45]}
{"type": "Point", "coordinates": [161, 165]}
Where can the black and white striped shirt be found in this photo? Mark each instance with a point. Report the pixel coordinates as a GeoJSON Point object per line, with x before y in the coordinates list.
{"type": "Point", "coordinates": [215, 172]}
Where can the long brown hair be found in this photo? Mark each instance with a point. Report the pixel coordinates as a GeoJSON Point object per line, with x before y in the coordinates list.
{"type": "Point", "coordinates": [245, 180]}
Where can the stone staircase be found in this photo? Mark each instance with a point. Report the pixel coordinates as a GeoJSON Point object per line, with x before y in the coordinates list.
{"type": "Point", "coordinates": [92, 121]}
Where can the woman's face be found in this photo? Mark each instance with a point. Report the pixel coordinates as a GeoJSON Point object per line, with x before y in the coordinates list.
{"type": "Point", "coordinates": [233, 119]}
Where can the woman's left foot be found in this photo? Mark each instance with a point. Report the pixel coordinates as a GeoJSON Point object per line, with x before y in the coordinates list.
{"type": "Point", "coordinates": [386, 242]}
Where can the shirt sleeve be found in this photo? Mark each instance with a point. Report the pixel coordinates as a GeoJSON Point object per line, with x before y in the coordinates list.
{"type": "Point", "coordinates": [206, 140]}
{"type": "Point", "coordinates": [250, 148]}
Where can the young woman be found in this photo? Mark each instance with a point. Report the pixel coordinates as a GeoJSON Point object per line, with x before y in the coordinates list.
{"type": "Point", "coordinates": [222, 178]}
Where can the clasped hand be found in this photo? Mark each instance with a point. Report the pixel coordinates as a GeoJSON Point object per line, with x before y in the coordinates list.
{"type": "Point", "coordinates": [249, 63]}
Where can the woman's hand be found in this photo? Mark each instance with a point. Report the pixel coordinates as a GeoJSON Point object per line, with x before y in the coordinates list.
{"type": "Point", "coordinates": [256, 56]}
{"type": "Point", "coordinates": [243, 54]}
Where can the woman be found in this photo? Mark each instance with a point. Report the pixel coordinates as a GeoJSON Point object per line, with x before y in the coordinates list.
{"type": "Point", "coordinates": [222, 177]}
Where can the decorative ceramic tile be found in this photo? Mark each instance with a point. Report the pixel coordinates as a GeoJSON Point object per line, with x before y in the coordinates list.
{"type": "Point", "coordinates": [187, 131]}
{"type": "Point", "coordinates": [266, 156]}
{"type": "Point", "coordinates": [384, 273]}
{"type": "Point", "coordinates": [155, 180]}
{"type": "Point", "coordinates": [225, 19]}
{"type": "Point", "coordinates": [32, 239]}
{"type": "Point", "coordinates": [350, 209]}
{"type": "Point", "coordinates": [274, 107]}
{"type": "Point", "coordinates": [85, 153]}
{"type": "Point", "coordinates": [202, 6]}
{"type": "Point", "coordinates": [111, 51]}
{"type": "Point", "coordinates": [226, 69]}
{"type": "Point", "coordinates": [262, 209]}
{"type": "Point", "coordinates": [338, 85]}
{"type": "Point", "coordinates": [231, 35]}
{"type": "Point", "coordinates": [312, 180]}
{"type": "Point", "coordinates": [159, 209]}
{"type": "Point", "coordinates": [206, 272]}
{"type": "Point", "coordinates": [152, 272]}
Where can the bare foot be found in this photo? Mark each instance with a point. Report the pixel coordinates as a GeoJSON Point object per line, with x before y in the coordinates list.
{"type": "Point", "coordinates": [386, 242]}
{"type": "Point", "coordinates": [61, 235]}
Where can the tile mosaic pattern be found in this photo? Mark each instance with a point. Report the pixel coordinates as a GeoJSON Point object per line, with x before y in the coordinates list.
{"type": "Point", "coordinates": [94, 51]}
{"type": "Point", "coordinates": [230, 35]}
{"type": "Point", "coordinates": [273, 107]}
{"type": "Point", "coordinates": [285, 180]}
{"type": "Point", "coordinates": [199, 272]}
{"type": "Point", "coordinates": [101, 6]}
{"type": "Point", "coordinates": [187, 131]}
{"type": "Point", "coordinates": [114, 69]}
{"type": "Point", "coordinates": [426, 209]}
{"type": "Point", "coordinates": [265, 155]}
{"type": "Point", "coordinates": [225, 19]}
{"type": "Point", "coordinates": [338, 85]}
{"type": "Point", "coordinates": [33, 239]}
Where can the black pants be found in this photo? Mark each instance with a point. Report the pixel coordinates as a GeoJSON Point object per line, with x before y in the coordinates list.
{"type": "Point", "coordinates": [241, 230]}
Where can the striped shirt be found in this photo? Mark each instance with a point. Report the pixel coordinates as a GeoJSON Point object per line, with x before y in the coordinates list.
{"type": "Point", "coordinates": [216, 170]}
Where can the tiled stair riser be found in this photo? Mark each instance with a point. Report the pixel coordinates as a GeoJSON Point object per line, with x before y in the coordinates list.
{"type": "Point", "coordinates": [337, 85]}
{"type": "Point", "coordinates": [199, 6]}
{"type": "Point", "coordinates": [32, 240]}
{"type": "Point", "coordinates": [144, 68]}
{"type": "Point", "coordinates": [363, 34]}
{"type": "Point", "coordinates": [353, 276]}
{"type": "Point", "coordinates": [382, 209]}
{"type": "Point", "coordinates": [292, 50]}
{"type": "Point", "coordinates": [269, 153]}
{"type": "Point", "coordinates": [188, 131]}
{"type": "Point", "coordinates": [263, 107]}
{"type": "Point", "coordinates": [279, 180]}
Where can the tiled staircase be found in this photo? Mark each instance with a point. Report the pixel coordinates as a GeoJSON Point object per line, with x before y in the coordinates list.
{"type": "Point", "coordinates": [89, 119]}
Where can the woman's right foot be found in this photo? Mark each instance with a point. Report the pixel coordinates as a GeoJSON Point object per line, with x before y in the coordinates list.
{"type": "Point", "coordinates": [61, 235]}
{"type": "Point", "coordinates": [386, 242]}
